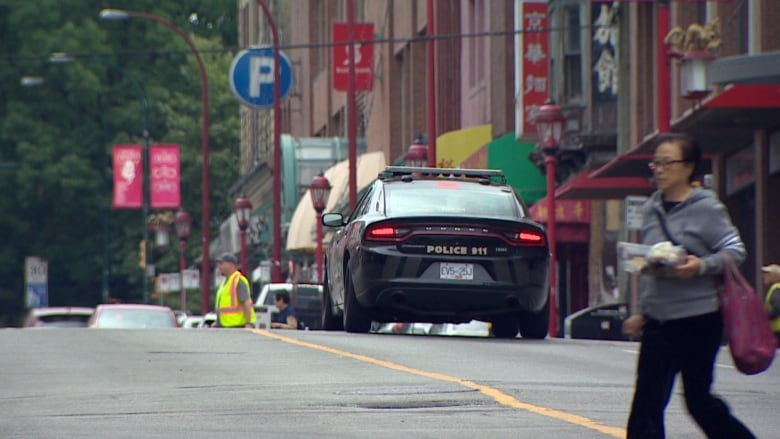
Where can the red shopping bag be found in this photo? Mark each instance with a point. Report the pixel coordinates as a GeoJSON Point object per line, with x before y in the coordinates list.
{"type": "Point", "coordinates": [751, 340]}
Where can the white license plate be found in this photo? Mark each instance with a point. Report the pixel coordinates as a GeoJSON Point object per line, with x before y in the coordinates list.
{"type": "Point", "coordinates": [455, 271]}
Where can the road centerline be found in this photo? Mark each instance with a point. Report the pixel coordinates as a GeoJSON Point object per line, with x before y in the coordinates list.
{"type": "Point", "coordinates": [492, 392]}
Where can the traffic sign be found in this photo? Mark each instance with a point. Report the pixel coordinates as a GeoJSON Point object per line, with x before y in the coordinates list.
{"type": "Point", "coordinates": [36, 279]}
{"type": "Point", "coordinates": [191, 278]}
{"type": "Point", "coordinates": [633, 205]}
{"type": "Point", "coordinates": [252, 76]}
{"type": "Point", "coordinates": [168, 282]}
{"type": "Point", "coordinates": [37, 295]}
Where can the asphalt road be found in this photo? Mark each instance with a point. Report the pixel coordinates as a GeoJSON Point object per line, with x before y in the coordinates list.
{"type": "Point", "coordinates": [192, 383]}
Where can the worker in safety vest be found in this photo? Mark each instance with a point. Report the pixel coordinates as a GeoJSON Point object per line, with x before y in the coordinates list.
{"type": "Point", "coordinates": [234, 299]}
{"type": "Point", "coordinates": [771, 278]}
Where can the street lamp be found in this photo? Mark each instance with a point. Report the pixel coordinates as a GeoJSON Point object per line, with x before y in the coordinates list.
{"type": "Point", "coordinates": [66, 58]}
{"type": "Point", "coordinates": [118, 14]}
{"type": "Point", "coordinates": [417, 154]}
{"type": "Point", "coordinates": [182, 223]}
{"type": "Point", "coordinates": [276, 261]}
{"type": "Point", "coordinates": [320, 192]}
{"type": "Point", "coordinates": [242, 208]}
{"type": "Point", "coordinates": [549, 127]}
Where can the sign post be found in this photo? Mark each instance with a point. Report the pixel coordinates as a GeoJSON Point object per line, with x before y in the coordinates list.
{"type": "Point", "coordinates": [257, 82]}
{"type": "Point", "coordinates": [633, 220]}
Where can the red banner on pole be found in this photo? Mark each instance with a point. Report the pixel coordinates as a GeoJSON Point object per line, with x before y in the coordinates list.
{"type": "Point", "coordinates": [128, 176]}
{"type": "Point", "coordinates": [535, 72]}
{"type": "Point", "coordinates": [363, 37]}
{"type": "Point", "coordinates": [164, 177]}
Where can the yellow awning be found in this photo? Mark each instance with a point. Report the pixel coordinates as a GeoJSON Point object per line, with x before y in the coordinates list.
{"type": "Point", "coordinates": [302, 235]}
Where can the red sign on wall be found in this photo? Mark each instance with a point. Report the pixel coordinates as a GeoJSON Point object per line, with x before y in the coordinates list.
{"type": "Point", "coordinates": [566, 211]}
{"type": "Point", "coordinates": [363, 36]}
{"type": "Point", "coordinates": [535, 70]}
{"type": "Point", "coordinates": [164, 177]}
{"type": "Point", "coordinates": [128, 176]}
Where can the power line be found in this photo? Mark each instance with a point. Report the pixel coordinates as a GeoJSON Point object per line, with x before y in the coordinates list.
{"type": "Point", "coordinates": [313, 45]}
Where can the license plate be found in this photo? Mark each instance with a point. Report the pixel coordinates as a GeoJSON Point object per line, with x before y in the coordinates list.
{"type": "Point", "coordinates": [455, 271]}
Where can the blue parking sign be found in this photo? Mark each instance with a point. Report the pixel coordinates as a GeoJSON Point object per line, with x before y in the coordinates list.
{"type": "Point", "coordinates": [37, 295]}
{"type": "Point", "coordinates": [252, 76]}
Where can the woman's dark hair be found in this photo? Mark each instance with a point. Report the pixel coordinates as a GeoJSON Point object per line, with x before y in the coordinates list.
{"type": "Point", "coordinates": [691, 152]}
{"type": "Point", "coordinates": [284, 296]}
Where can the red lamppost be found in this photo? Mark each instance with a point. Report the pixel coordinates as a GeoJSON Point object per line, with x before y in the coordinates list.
{"type": "Point", "coordinates": [182, 223]}
{"type": "Point", "coordinates": [417, 155]}
{"type": "Point", "coordinates": [320, 192]}
{"type": "Point", "coordinates": [276, 261]}
{"type": "Point", "coordinates": [549, 127]}
{"type": "Point", "coordinates": [431, 96]}
{"type": "Point", "coordinates": [243, 210]}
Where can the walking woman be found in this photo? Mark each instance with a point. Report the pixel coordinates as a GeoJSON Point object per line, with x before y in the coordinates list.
{"type": "Point", "coordinates": [678, 317]}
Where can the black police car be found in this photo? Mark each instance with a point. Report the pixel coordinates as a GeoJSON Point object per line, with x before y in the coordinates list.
{"type": "Point", "coordinates": [437, 245]}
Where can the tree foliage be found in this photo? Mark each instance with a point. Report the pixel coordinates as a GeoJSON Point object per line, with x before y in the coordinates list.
{"type": "Point", "coordinates": [55, 138]}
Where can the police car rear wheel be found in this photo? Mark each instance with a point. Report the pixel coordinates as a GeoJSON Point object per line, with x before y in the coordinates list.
{"type": "Point", "coordinates": [355, 317]}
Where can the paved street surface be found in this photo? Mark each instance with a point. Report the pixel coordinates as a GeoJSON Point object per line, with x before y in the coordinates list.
{"type": "Point", "coordinates": [193, 383]}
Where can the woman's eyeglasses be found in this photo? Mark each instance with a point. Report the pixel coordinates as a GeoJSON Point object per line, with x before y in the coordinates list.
{"type": "Point", "coordinates": [662, 164]}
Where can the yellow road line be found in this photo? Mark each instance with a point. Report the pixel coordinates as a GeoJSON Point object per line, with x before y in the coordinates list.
{"type": "Point", "coordinates": [495, 394]}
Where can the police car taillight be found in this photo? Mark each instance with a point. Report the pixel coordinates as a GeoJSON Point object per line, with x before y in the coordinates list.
{"type": "Point", "coordinates": [526, 237]}
{"type": "Point", "coordinates": [385, 233]}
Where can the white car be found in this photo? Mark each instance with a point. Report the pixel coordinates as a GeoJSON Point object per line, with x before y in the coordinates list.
{"type": "Point", "coordinates": [192, 322]}
{"type": "Point", "coordinates": [208, 320]}
{"type": "Point", "coordinates": [305, 298]}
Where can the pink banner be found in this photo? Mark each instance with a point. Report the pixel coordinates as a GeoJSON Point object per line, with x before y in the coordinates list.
{"type": "Point", "coordinates": [535, 65]}
{"type": "Point", "coordinates": [164, 177]}
{"type": "Point", "coordinates": [128, 176]}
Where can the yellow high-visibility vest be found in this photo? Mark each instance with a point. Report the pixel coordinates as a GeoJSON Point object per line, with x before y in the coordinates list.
{"type": "Point", "coordinates": [231, 312]}
{"type": "Point", "coordinates": [768, 302]}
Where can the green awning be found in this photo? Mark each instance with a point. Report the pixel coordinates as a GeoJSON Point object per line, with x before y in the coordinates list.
{"type": "Point", "coordinates": [510, 156]}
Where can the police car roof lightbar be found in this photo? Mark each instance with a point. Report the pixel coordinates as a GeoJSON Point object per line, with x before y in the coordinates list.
{"type": "Point", "coordinates": [493, 175]}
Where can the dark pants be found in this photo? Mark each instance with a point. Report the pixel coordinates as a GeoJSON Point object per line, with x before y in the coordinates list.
{"type": "Point", "coordinates": [688, 346]}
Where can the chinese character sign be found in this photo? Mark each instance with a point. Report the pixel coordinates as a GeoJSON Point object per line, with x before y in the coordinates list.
{"type": "Point", "coordinates": [535, 70]}
{"type": "Point", "coordinates": [164, 178]}
{"type": "Point", "coordinates": [605, 43]}
{"type": "Point", "coordinates": [128, 177]}
{"type": "Point", "coordinates": [566, 211]}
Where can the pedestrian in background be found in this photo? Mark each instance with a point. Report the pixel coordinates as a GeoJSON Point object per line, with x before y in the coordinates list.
{"type": "Point", "coordinates": [771, 278]}
{"type": "Point", "coordinates": [234, 296]}
{"type": "Point", "coordinates": [286, 318]}
{"type": "Point", "coordinates": [678, 312]}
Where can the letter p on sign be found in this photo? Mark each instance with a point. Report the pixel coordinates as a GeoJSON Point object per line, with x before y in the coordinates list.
{"type": "Point", "coordinates": [261, 72]}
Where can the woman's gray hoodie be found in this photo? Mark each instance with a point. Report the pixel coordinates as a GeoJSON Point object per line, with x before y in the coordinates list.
{"type": "Point", "coordinates": [702, 225]}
